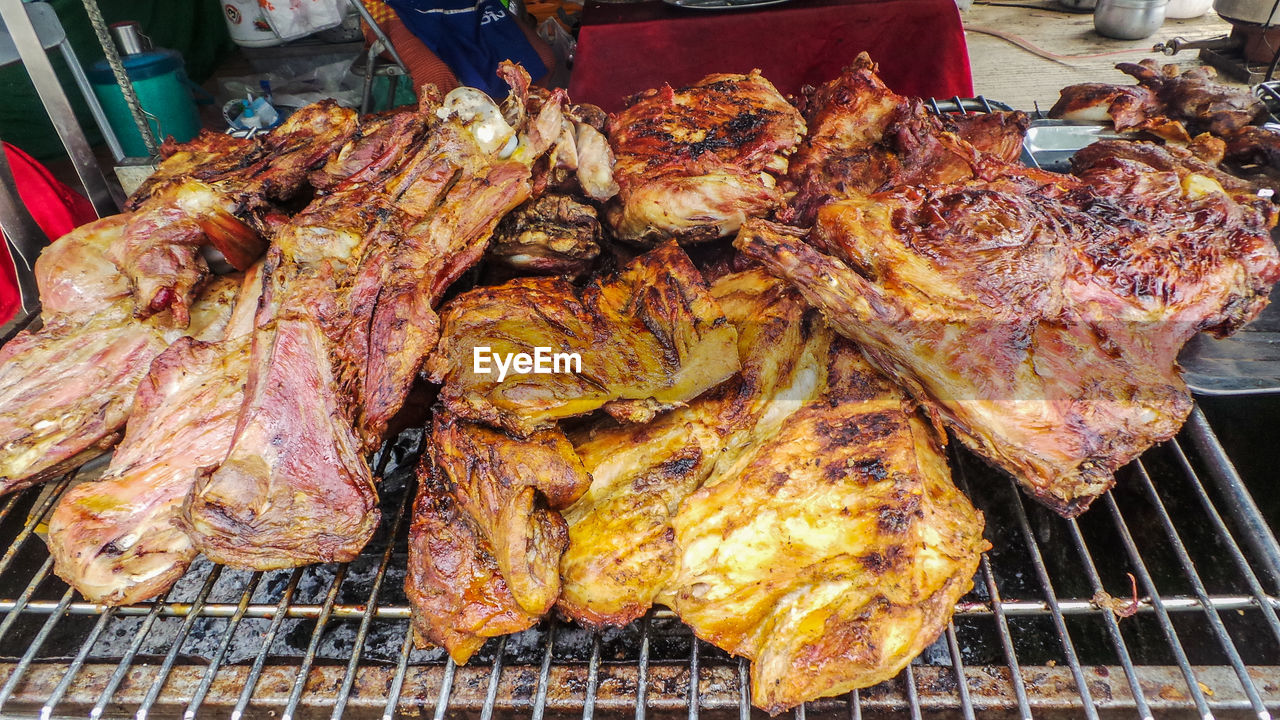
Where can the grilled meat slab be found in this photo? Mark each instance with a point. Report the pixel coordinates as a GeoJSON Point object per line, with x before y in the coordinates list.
{"type": "Point", "coordinates": [648, 338]}
{"type": "Point", "coordinates": [622, 550]}
{"type": "Point", "coordinates": [1194, 97]}
{"type": "Point", "coordinates": [1040, 320]}
{"type": "Point", "coordinates": [486, 538]}
{"type": "Point", "coordinates": [833, 550]}
{"type": "Point", "coordinates": [120, 540]}
{"type": "Point", "coordinates": [1127, 107]}
{"type": "Point", "coordinates": [551, 235]}
{"type": "Point", "coordinates": [693, 163]}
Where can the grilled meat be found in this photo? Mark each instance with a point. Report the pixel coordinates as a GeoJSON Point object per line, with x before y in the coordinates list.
{"type": "Point", "coordinates": [648, 338]}
{"type": "Point", "coordinates": [998, 134]}
{"type": "Point", "coordinates": [1127, 107]}
{"type": "Point", "coordinates": [622, 549]}
{"type": "Point", "coordinates": [1194, 97]}
{"type": "Point", "coordinates": [67, 389]}
{"type": "Point", "coordinates": [1040, 320]}
{"type": "Point", "coordinates": [119, 540]}
{"type": "Point", "coordinates": [551, 235]}
{"type": "Point", "coordinates": [346, 319]}
{"type": "Point", "coordinates": [833, 550]}
{"type": "Point", "coordinates": [486, 538]}
{"type": "Point", "coordinates": [693, 163]}
{"type": "Point", "coordinates": [76, 276]}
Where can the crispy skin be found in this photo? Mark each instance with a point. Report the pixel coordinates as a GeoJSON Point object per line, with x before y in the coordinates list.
{"type": "Point", "coordinates": [622, 549]}
{"type": "Point", "coordinates": [648, 338]}
{"type": "Point", "coordinates": [834, 549]}
{"type": "Point", "coordinates": [693, 163]}
{"type": "Point", "coordinates": [1041, 322]}
{"type": "Point", "coordinates": [1194, 97]}
{"type": "Point", "coordinates": [488, 502]}
{"type": "Point", "coordinates": [119, 540]}
{"type": "Point", "coordinates": [1254, 146]}
{"type": "Point", "coordinates": [1127, 107]}
{"type": "Point", "coordinates": [998, 134]}
{"type": "Point", "coordinates": [67, 389]}
{"type": "Point", "coordinates": [551, 235]}
{"type": "Point", "coordinates": [208, 156]}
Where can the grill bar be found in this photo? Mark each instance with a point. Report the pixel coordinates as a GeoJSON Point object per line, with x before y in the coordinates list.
{"type": "Point", "coordinates": [267, 639]}
{"type": "Point", "coordinates": [46, 711]}
{"type": "Point", "coordinates": [962, 681]}
{"type": "Point", "coordinates": [397, 683]}
{"type": "Point", "coordinates": [30, 654]}
{"type": "Point", "coordinates": [194, 707]}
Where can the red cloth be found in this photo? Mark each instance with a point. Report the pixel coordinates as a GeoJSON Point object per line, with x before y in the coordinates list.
{"type": "Point", "coordinates": [628, 48]}
{"type": "Point", "coordinates": [56, 208]}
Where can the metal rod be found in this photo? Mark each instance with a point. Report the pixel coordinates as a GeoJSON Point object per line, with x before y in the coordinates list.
{"type": "Point", "coordinates": [215, 664]}
{"type": "Point", "coordinates": [30, 654]}
{"type": "Point", "coordinates": [37, 516]}
{"type": "Point", "coordinates": [694, 677]}
{"type": "Point", "coordinates": [55, 102]}
{"type": "Point", "coordinates": [255, 672]}
{"type": "Point", "coordinates": [544, 673]}
{"type": "Point", "coordinates": [495, 675]}
{"type": "Point", "coordinates": [957, 663]}
{"type": "Point", "coordinates": [313, 646]}
{"type": "Point", "coordinates": [122, 76]}
{"type": "Point", "coordinates": [397, 681]}
{"type": "Point", "coordinates": [913, 696]}
{"type": "Point", "coordinates": [446, 687]}
{"type": "Point", "coordinates": [1240, 504]}
{"type": "Point", "coordinates": [40, 577]}
{"type": "Point", "coordinates": [95, 108]}
{"type": "Point", "coordinates": [642, 668]}
{"type": "Point", "coordinates": [744, 691]}
{"type": "Point", "coordinates": [46, 711]}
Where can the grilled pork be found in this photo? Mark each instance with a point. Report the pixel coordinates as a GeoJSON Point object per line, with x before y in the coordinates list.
{"type": "Point", "coordinates": [1194, 97]}
{"type": "Point", "coordinates": [486, 538]}
{"type": "Point", "coordinates": [119, 540]}
{"type": "Point", "coordinates": [693, 163]}
{"type": "Point", "coordinates": [1126, 107]}
{"type": "Point", "coordinates": [646, 339]}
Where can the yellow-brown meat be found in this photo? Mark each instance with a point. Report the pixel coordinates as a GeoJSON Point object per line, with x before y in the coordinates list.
{"type": "Point", "coordinates": [649, 338]}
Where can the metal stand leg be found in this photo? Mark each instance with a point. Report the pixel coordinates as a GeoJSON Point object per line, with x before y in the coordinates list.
{"type": "Point", "coordinates": [91, 100]}
{"type": "Point", "coordinates": [106, 199]}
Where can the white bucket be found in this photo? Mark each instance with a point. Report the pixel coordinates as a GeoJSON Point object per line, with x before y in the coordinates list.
{"type": "Point", "coordinates": [247, 24]}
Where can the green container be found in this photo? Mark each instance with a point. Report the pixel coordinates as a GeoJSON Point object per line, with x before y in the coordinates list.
{"type": "Point", "coordinates": [163, 90]}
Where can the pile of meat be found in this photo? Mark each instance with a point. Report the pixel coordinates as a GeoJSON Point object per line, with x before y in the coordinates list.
{"type": "Point", "coordinates": [749, 432]}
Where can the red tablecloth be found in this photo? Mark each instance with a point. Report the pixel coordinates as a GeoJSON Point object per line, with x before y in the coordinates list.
{"type": "Point", "coordinates": [56, 208]}
{"type": "Point", "coordinates": [627, 48]}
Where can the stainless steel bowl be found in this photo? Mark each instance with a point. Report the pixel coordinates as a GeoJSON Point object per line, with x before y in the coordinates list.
{"type": "Point", "coordinates": [1128, 19]}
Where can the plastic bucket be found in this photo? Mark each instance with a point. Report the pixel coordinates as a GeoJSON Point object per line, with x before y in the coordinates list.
{"type": "Point", "coordinates": [163, 90]}
{"type": "Point", "coordinates": [247, 25]}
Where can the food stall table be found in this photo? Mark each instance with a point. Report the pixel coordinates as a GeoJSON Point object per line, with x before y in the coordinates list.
{"type": "Point", "coordinates": [627, 48]}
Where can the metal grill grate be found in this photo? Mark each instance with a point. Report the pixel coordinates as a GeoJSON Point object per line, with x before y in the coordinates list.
{"type": "Point", "coordinates": [1029, 640]}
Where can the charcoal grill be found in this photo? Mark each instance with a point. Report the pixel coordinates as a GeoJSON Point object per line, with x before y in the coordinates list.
{"type": "Point", "coordinates": [1180, 543]}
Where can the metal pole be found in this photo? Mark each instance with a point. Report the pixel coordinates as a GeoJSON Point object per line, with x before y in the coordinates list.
{"type": "Point", "coordinates": [29, 48]}
{"type": "Point", "coordinates": [25, 238]}
{"type": "Point", "coordinates": [122, 77]}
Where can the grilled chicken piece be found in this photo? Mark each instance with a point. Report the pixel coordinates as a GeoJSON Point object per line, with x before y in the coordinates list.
{"type": "Point", "coordinates": [345, 322]}
{"type": "Point", "coordinates": [622, 549]}
{"type": "Point", "coordinates": [119, 540]}
{"type": "Point", "coordinates": [693, 163]}
{"type": "Point", "coordinates": [1127, 107]}
{"type": "Point", "coordinates": [648, 338]}
{"type": "Point", "coordinates": [551, 235]}
{"type": "Point", "coordinates": [1040, 320]}
{"type": "Point", "coordinates": [1194, 97]}
{"type": "Point", "coordinates": [833, 550]}
{"type": "Point", "coordinates": [67, 389]}
{"type": "Point", "coordinates": [486, 538]}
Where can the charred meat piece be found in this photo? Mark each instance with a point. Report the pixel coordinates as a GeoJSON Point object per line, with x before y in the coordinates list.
{"type": "Point", "coordinates": [1127, 107]}
{"type": "Point", "coordinates": [1194, 97]}
{"type": "Point", "coordinates": [119, 540]}
{"type": "Point", "coordinates": [551, 235]}
{"type": "Point", "coordinates": [486, 538]}
{"type": "Point", "coordinates": [693, 163]}
{"type": "Point", "coordinates": [1041, 321]}
{"type": "Point", "coordinates": [833, 550]}
{"type": "Point", "coordinates": [998, 134]}
{"type": "Point", "coordinates": [646, 339]}
{"type": "Point", "coordinates": [622, 549]}
{"type": "Point", "coordinates": [208, 156]}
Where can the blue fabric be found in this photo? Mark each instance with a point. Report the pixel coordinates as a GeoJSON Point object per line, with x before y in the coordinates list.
{"type": "Point", "coordinates": [472, 37]}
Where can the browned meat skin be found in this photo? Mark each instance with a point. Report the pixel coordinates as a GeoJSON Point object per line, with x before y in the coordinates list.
{"type": "Point", "coordinates": [1254, 146]}
{"type": "Point", "coordinates": [501, 496]}
{"type": "Point", "coordinates": [864, 138]}
{"type": "Point", "coordinates": [67, 389]}
{"type": "Point", "coordinates": [209, 156]}
{"type": "Point", "coordinates": [998, 134]}
{"type": "Point", "coordinates": [622, 549]}
{"type": "Point", "coordinates": [118, 540]}
{"type": "Point", "coordinates": [1194, 97]}
{"type": "Point", "coordinates": [1127, 107]}
{"type": "Point", "coordinates": [693, 163]}
{"type": "Point", "coordinates": [76, 276]}
{"type": "Point", "coordinates": [551, 235]}
{"type": "Point", "coordinates": [648, 338]}
{"type": "Point", "coordinates": [1041, 322]}
{"type": "Point", "coordinates": [834, 549]}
